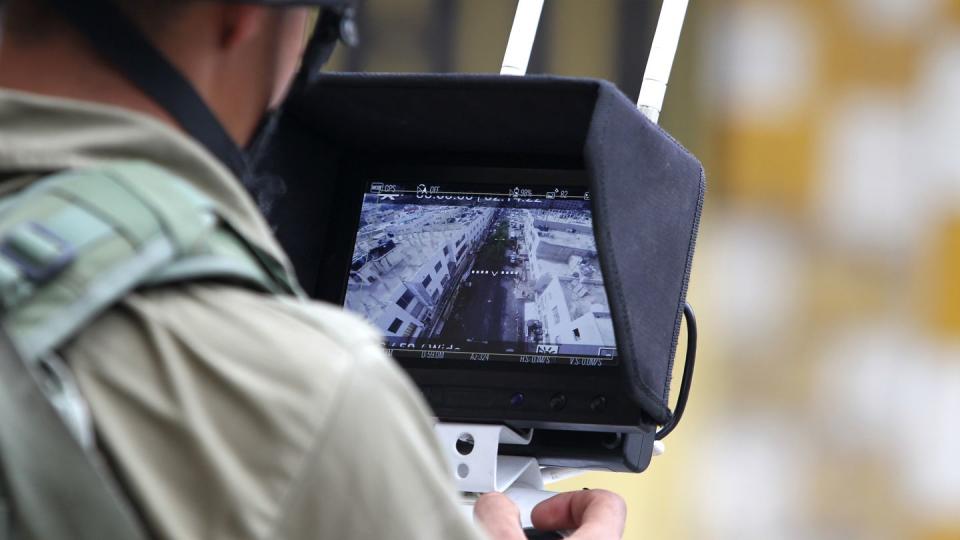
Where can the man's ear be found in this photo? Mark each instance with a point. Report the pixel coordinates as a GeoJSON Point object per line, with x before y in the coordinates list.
{"type": "Point", "coordinates": [241, 22]}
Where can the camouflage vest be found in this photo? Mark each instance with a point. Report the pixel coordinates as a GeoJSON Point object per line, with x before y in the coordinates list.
{"type": "Point", "coordinates": [71, 246]}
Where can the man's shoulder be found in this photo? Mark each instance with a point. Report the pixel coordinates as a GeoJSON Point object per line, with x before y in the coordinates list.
{"type": "Point", "coordinates": [306, 347]}
{"type": "Point", "coordinates": [215, 381]}
{"type": "Point", "coordinates": [290, 326]}
{"type": "Point", "coordinates": [333, 321]}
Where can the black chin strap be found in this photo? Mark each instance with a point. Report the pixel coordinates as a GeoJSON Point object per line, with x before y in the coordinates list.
{"type": "Point", "coordinates": [332, 25]}
{"type": "Point", "coordinates": [119, 40]}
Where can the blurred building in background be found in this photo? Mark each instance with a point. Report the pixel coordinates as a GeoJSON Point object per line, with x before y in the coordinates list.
{"type": "Point", "coordinates": [827, 279]}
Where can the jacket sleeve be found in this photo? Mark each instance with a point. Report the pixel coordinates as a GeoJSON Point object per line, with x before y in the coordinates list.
{"type": "Point", "coordinates": [376, 471]}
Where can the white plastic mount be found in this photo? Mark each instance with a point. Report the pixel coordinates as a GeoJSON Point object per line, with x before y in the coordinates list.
{"type": "Point", "coordinates": [473, 455]}
{"type": "Point", "coordinates": [472, 452]}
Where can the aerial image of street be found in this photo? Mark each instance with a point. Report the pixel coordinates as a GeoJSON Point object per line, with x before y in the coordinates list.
{"type": "Point", "coordinates": [494, 277]}
{"type": "Point", "coordinates": [487, 307]}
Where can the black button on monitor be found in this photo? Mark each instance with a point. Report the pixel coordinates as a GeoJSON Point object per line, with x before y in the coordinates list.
{"type": "Point", "coordinates": [558, 402]}
{"type": "Point", "coordinates": [598, 404]}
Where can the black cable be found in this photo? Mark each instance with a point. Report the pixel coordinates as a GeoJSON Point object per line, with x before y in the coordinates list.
{"type": "Point", "coordinates": [687, 380]}
{"type": "Point", "coordinates": [533, 534]}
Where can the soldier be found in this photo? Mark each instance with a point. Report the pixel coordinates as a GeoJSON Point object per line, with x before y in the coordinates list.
{"type": "Point", "coordinates": [224, 404]}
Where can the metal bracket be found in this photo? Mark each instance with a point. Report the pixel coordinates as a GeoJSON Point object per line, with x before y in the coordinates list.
{"type": "Point", "coordinates": [472, 452]}
{"type": "Point", "coordinates": [473, 456]}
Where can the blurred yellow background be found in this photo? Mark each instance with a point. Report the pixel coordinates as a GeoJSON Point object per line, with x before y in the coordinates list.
{"type": "Point", "coordinates": [826, 401]}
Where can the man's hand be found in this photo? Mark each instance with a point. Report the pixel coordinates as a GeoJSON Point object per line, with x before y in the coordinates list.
{"type": "Point", "coordinates": [499, 517]}
{"type": "Point", "coordinates": [594, 515]}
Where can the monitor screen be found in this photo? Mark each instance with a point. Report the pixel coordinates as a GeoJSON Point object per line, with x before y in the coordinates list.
{"type": "Point", "coordinates": [482, 273]}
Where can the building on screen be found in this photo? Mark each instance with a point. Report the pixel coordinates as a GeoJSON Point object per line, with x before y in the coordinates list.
{"type": "Point", "coordinates": [406, 262]}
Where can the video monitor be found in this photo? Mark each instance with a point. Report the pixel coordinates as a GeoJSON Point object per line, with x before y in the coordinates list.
{"type": "Point", "coordinates": [468, 218]}
{"type": "Point", "coordinates": [482, 273]}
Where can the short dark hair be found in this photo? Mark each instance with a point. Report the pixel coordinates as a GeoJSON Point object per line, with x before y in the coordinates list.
{"type": "Point", "coordinates": [33, 20]}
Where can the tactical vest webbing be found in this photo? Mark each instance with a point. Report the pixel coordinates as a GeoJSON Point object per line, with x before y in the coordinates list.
{"type": "Point", "coordinates": [71, 246]}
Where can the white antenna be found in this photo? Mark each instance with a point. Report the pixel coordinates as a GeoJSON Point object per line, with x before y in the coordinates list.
{"type": "Point", "coordinates": [660, 62]}
{"type": "Point", "coordinates": [522, 34]}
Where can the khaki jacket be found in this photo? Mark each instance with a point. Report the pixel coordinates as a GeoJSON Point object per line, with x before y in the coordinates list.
{"type": "Point", "coordinates": [229, 414]}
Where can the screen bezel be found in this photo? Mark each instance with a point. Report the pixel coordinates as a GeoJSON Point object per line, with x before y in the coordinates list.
{"type": "Point", "coordinates": [443, 383]}
{"type": "Point", "coordinates": [516, 197]}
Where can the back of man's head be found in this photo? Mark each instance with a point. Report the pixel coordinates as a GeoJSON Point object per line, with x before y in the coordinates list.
{"type": "Point", "coordinates": [239, 57]}
{"type": "Point", "coordinates": [32, 21]}
{"type": "Point", "coordinates": [3, 6]}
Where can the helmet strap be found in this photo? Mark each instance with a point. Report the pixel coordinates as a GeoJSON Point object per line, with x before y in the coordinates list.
{"type": "Point", "coordinates": [118, 39]}
{"type": "Point", "coordinates": [333, 24]}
